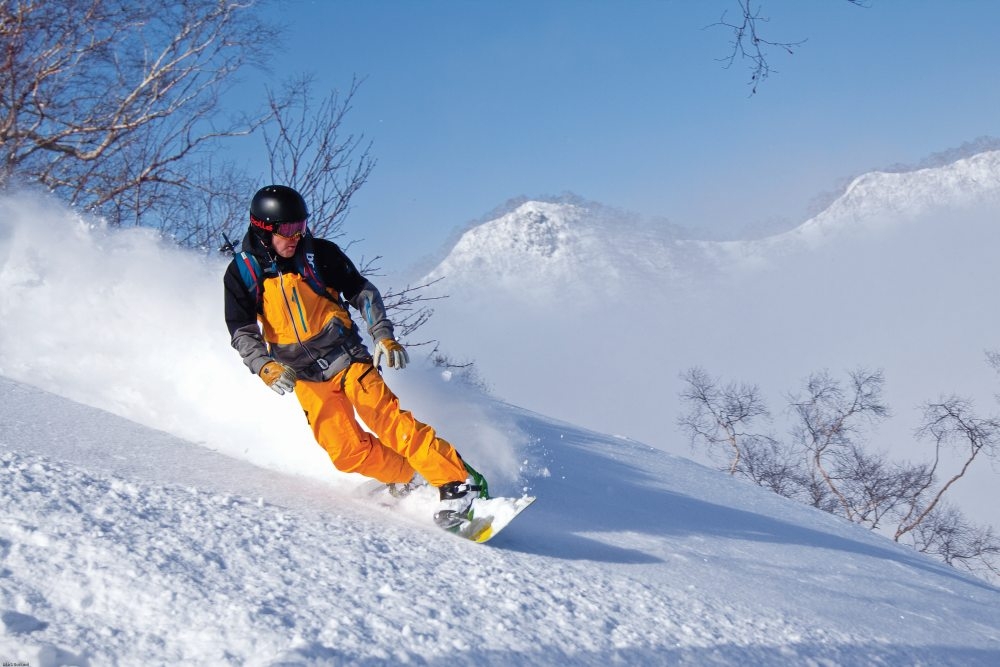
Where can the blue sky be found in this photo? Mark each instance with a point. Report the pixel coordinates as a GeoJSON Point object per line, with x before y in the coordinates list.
{"type": "Point", "coordinates": [471, 103]}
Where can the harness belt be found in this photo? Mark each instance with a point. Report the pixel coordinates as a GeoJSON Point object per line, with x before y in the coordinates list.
{"type": "Point", "coordinates": [339, 358]}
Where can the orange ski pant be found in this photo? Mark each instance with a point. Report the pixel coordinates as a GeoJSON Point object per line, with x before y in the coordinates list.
{"type": "Point", "coordinates": [400, 444]}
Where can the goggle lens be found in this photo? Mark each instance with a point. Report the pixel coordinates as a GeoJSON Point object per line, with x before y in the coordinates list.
{"type": "Point", "coordinates": [291, 230]}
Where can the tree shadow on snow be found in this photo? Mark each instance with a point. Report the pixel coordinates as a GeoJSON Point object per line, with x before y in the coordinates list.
{"type": "Point", "coordinates": [596, 484]}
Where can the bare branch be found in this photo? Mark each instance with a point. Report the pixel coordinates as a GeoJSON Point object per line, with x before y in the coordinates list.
{"type": "Point", "coordinates": [749, 45]}
{"type": "Point", "coordinates": [109, 103]}
{"type": "Point", "coordinates": [309, 151]}
{"type": "Point", "coordinates": [718, 416]}
{"type": "Point", "coordinates": [946, 534]}
{"type": "Point", "coordinates": [952, 422]}
{"type": "Point", "coordinates": [828, 425]}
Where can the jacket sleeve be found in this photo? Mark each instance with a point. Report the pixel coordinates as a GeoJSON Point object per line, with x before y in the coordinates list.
{"type": "Point", "coordinates": [241, 318]}
{"type": "Point", "coordinates": [339, 272]}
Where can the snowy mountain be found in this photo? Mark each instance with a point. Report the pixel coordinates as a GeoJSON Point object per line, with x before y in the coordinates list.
{"type": "Point", "coordinates": [593, 321]}
{"type": "Point", "coordinates": [563, 246]}
{"type": "Point", "coordinates": [554, 247]}
{"type": "Point", "coordinates": [894, 197]}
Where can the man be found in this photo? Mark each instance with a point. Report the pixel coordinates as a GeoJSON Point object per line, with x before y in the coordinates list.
{"type": "Point", "coordinates": [286, 309]}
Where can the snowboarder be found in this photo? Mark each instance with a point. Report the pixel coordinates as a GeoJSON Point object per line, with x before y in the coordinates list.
{"type": "Point", "coordinates": [286, 297]}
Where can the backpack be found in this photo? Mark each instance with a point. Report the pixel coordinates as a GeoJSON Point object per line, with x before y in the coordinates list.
{"type": "Point", "coordinates": [253, 275]}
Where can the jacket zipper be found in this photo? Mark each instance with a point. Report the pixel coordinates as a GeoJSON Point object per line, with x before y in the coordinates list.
{"type": "Point", "coordinates": [298, 305]}
{"type": "Point", "coordinates": [321, 362]}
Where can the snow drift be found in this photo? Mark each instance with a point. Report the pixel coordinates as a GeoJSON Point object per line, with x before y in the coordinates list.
{"type": "Point", "coordinates": [120, 545]}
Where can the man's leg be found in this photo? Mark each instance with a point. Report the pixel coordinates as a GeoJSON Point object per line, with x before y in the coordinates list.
{"type": "Point", "coordinates": [350, 447]}
{"type": "Point", "coordinates": [434, 458]}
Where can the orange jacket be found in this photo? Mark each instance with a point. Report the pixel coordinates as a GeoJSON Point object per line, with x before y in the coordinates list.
{"type": "Point", "coordinates": [292, 323]}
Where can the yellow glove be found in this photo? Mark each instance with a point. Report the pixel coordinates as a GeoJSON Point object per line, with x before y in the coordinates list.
{"type": "Point", "coordinates": [394, 353]}
{"type": "Point", "coordinates": [278, 377]}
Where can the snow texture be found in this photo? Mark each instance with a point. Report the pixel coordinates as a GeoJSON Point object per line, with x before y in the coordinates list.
{"type": "Point", "coordinates": [122, 545]}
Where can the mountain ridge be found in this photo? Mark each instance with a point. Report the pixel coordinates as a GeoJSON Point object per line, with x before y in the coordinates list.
{"type": "Point", "coordinates": [552, 240]}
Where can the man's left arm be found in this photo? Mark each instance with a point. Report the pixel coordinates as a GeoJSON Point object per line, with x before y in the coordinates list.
{"type": "Point", "coordinates": [339, 272]}
{"type": "Point", "coordinates": [369, 302]}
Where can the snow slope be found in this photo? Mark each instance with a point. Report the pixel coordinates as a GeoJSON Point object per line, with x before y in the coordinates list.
{"type": "Point", "coordinates": [159, 506]}
{"type": "Point", "coordinates": [121, 545]}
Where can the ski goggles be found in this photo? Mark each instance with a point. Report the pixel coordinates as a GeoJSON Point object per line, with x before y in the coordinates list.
{"type": "Point", "coordinates": [290, 230]}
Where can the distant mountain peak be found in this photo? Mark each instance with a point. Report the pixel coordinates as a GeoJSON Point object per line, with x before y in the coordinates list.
{"type": "Point", "coordinates": [584, 245]}
{"type": "Point", "coordinates": [534, 227]}
{"type": "Point", "coordinates": [886, 197]}
{"type": "Point", "coordinates": [535, 238]}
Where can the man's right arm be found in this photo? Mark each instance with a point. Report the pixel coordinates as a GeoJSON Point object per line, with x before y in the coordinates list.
{"type": "Point", "coordinates": [241, 319]}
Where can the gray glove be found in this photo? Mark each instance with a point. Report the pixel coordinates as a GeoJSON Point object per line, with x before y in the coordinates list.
{"type": "Point", "coordinates": [394, 353]}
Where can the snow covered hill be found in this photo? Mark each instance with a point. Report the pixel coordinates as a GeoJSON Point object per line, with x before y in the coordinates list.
{"type": "Point", "coordinates": [559, 246]}
{"type": "Point", "coordinates": [550, 248]}
{"type": "Point", "coordinates": [879, 200]}
{"type": "Point", "coordinates": [120, 545]}
{"type": "Point", "coordinates": [594, 322]}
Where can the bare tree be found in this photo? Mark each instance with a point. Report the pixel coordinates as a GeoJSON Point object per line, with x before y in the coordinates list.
{"type": "Point", "coordinates": [950, 423]}
{"type": "Point", "coordinates": [215, 203]}
{"type": "Point", "coordinates": [774, 465]}
{"type": "Point", "coordinates": [945, 533]}
{"type": "Point", "coordinates": [309, 151]}
{"type": "Point", "coordinates": [829, 468]}
{"type": "Point", "coordinates": [719, 416]}
{"type": "Point", "coordinates": [109, 102]}
{"type": "Point", "coordinates": [828, 427]}
{"type": "Point", "coordinates": [749, 44]}
{"type": "Point", "coordinates": [878, 489]}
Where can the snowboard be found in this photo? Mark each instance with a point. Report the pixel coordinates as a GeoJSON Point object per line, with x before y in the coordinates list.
{"type": "Point", "coordinates": [489, 515]}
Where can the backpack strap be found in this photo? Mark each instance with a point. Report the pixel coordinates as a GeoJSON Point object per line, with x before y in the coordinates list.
{"type": "Point", "coordinates": [308, 271]}
{"type": "Point", "coordinates": [304, 263]}
{"type": "Point", "coordinates": [250, 273]}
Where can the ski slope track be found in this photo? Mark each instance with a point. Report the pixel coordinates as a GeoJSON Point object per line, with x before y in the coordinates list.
{"type": "Point", "coordinates": [123, 545]}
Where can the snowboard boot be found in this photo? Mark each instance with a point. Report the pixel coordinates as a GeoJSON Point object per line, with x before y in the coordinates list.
{"type": "Point", "coordinates": [456, 504]}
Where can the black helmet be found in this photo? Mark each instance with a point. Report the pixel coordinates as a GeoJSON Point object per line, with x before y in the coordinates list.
{"type": "Point", "coordinates": [274, 204]}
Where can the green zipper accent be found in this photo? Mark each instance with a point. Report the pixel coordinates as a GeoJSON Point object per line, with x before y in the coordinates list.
{"type": "Point", "coordinates": [298, 304]}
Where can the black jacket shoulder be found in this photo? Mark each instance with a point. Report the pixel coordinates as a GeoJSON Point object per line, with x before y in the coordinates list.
{"type": "Point", "coordinates": [336, 269]}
